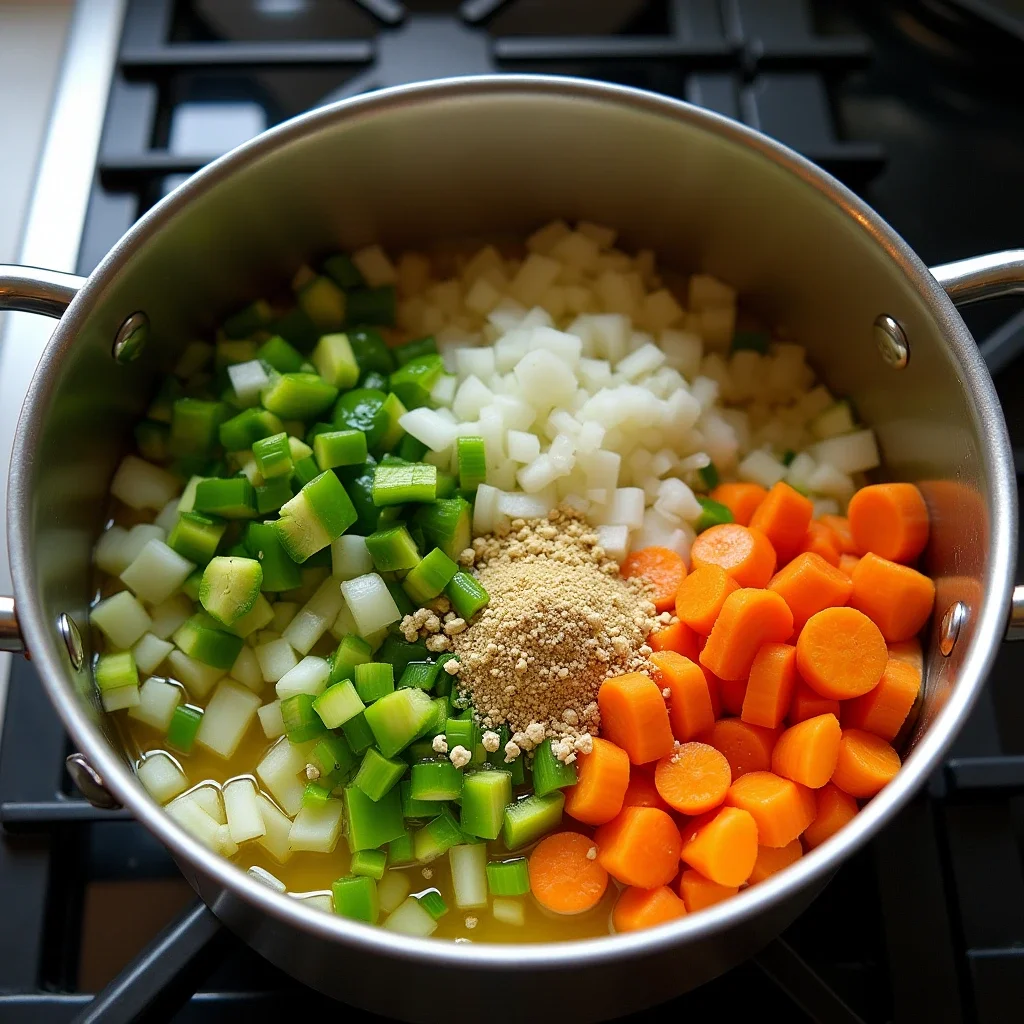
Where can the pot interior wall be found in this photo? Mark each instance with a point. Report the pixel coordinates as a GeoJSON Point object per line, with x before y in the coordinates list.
{"type": "Point", "coordinates": [403, 171]}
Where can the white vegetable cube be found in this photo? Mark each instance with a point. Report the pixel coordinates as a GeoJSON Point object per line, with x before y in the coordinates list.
{"type": "Point", "coordinates": [473, 394]}
{"type": "Point", "coordinates": [120, 697]}
{"type": "Point", "coordinates": [168, 517]}
{"type": "Point", "coordinates": [616, 295]}
{"type": "Point", "coordinates": [275, 839]}
{"type": "Point", "coordinates": [247, 671]}
{"type": "Point", "coordinates": [411, 919]}
{"type": "Point", "coordinates": [601, 469]}
{"type": "Point", "coordinates": [194, 820]}
{"type": "Point", "coordinates": [590, 437]}
{"type": "Point", "coordinates": [209, 798]}
{"type": "Point", "coordinates": [562, 452]}
{"type": "Point", "coordinates": [614, 540]}
{"type": "Point", "coordinates": [626, 508]}
{"type": "Point", "coordinates": [717, 326]}
{"type": "Point", "coordinates": [109, 554]}
{"type": "Point", "coordinates": [248, 380]}
{"type": "Point", "coordinates": [140, 484]}
{"type": "Point", "coordinates": [643, 360]}
{"type": "Point", "coordinates": [676, 499]}
{"type": "Point", "coordinates": [271, 719]}
{"type": "Point", "coordinates": [707, 292]}
{"type": "Point", "coordinates": [851, 453]}
{"type": "Point", "coordinates": [660, 310]}
{"type": "Point", "coordinates": [561, 344]}
{"type": "Point", "coordinates": [284, 612]}
{"type": "Point", "coordinates": [539, 474]}
{"type": "Point", "coordinates": [508, 911]}
{"type": "Point", "coordinates": [373, 263]}
{"type": "Point", "coordinates": [475, 362]}
{"type": "Point", "coordinates": [545, 379]}
{"type": "Point", "coordinates": [309, 676]}
{"type": "Point", "coordinates": [150, 651]}
{"type": "Point", "coordinates": [315, 616]}
{"type": "Point", "coordinates": [121, 618]}
{"type": "Point", "coordinates": [157, 701]}
{"type": "Point", "coordinates": [443, 391]}
{"type": "Point", "coordinates": [168, 615]}
{"type": "Point", "coordinates": [199, 679]}
{"type": "Point", "coordinates": [469, 876]}
{"type": "Point", "coordinates": [482, 297]}
{"type": "Point", "coordinates": [426, 425]}
{"type": "Point", "coordinates": [544, 240]}
{"type": "Point", "coordinates": [510, 347]}
{"type": "Point", "coordinates": [317, 829]}
{"type": "Point", "coordinates": [161, 776]}
{"type": "Point", "coordinates": [522, 447]}
{"type": "Point", "coordinates": [244, 813]}
{"type": "Point", "coordinates": [485, 509]}
{"type": "Point", "coordinates": [157, 572]}
{"type": "Point", "coordinates": [525, 506]}
{"type": "Point", "coordinates": [392, 890]}
{"type": "Point", "coordinates": [276, 659]}
{"type": "Point", "coordinates": [228, 715]}
{"type": "Point", "coordinates": [533, 278]}
{"type": "Point", "coordinates": [349, 557]}
{"type": "Point", "coordinates": [761, 467]}
{"type": "Point", "coordinates": [800, 471]}
{"type": "Point", "coordinates": [370, 603]}
{"type": "Point", "coordinates": [279, 772]}
{"type": "Point", "coordinates": [322, 901]}
{"type": "Point", "coordinates": [721, 441]}
{"type": "Point", "coordinates": [595, 374]}
{"type": "Point", "coordinates": [826, 479]}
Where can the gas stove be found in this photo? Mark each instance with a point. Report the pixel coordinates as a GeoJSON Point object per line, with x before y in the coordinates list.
{"type": "Point", "coordinates": [910, 104]}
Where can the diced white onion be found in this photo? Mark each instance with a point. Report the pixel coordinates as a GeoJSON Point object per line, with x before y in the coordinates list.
{"type": "Point", "coordinates": [162, 777]}
{"type": "Point", "coordinates": [427, 426]}
{"type": "Point", "coordinates": [409, 918]}
{"type": "Point", "coordinates": [309, 676]}
{"type": "Point", "coordinates": [157, 572]}
{"type": "Point", "coordinates": [140, 484]}
{"type": "Point", "coordinates": [121, 618]}
{"type": "Point", "coordinates": [350, 557]}
{"type": "Point", "coordinates": [370, 603]}
{"type": "Point", "coordinates": [469, 876]}
{"type": "Point", "coordinates": [243, 810]}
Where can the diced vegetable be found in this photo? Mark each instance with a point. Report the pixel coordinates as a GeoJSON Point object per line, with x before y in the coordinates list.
{"type": "Point", "coordinates": [550, 774]}
{"type": "Point", "coordinates": [122, 619]}
{"type": "Point", "coordinates": [396, 485]}
{"type": "Point", "coordinates": [469, 876]}
{"type": "Point", "coordinates": [372, 824]}
{"type": "Point", "coordinates": [430, 576]}
{"type": "Point", "coordinates": [317, 829]}
{"type": "Point", "coordinates": [229, 713]}
{"type": "Point", "coordinates": [370, 863]}
{"type": "Point", "coordinates": [485, 794]}
{"type": "Point", "coordinates": [161, 777]}
{"type": "Point", "coordinates": [318, 514]}
{"type": "Point", "coordinates": [356, 897]}
{"type": "Point", "coordinates": [435, 780]}
{"type": "Point", "coordinates": [466, 594]}
{"type": "Point", "coordinates": [377, 774]}
{"type": "Point", "coordinates": [158, 700]}
{"type": "Point", "coordinates": [528, 819]}
{"type": "Point", "coordinates": [370, 602]}
{"type": "Point", "coordinates": [509, 877]}
{"type": "Point", "coordinates": [396, 719]}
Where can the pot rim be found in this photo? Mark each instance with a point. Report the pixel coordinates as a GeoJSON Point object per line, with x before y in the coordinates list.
{"type": "Point", "coordinates": [815, 867]}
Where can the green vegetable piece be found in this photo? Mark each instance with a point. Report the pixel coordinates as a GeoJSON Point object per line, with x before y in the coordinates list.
{"type": "Point", "coordinates": [296, 327]}
{"type": "Point", "coordinates": [181, 733]}
{"type": "Point", "coordinates": [273, 456]}
{"type": "Point", "coordinates": [435, 726]}
{"type": "Point", "coordinates": [713, 513]}
{"type": "Point", "coordinates": [371, 352]}
{"type": "Point", "coordinates": [401, 598]}
{"type": "Point", "coordinates": [375, 380]}
{"type": "Point", "coordinates": [529, 819]}
{"type": "Point", "coordinates": [372, 823]}
{"type": "Point", "coordinates": [400, 850]}
{"type": "Point", "coordinates": [413, 381]}
{"type": "Point", "coordinates": [299, 396]}
{"type": "Point", "coordinates": [426, 346]}
{"type": "Point", "coordinates": [196, 537]}
{"type": "Point", "coordinates": [472, 462]}
{"type": "Point", "coordinates": [279, 571]}
{"type": "Point", "coordinates": [392, 549]}
{"type": "Point", "coordinates": [709, 475]}
{"type": "Point", "coordinates": [332, 756]}
{"type": "Point", "coordinates": [377, 774]}
{"type": "Point", "coordinates": [369, 864]}
{"type": "Point", "coordinates": [306, 471]}
{"type": "Point", "coordinates": [485, 795]}
{"type": "Point", "coordinates": [466, 595]}
{"type": "Point", "coordinates": [190, 588]}
{"type": "Point", "coordinates": [435, 781]}
{"type": "Point", "coordinates": [374, 306]}
{"type": "Point", "coordinates": [252, 318]}
{"type": "Point", "coordinates": [233, 498]}
{"type": "Point", "coordinates": [393, 410]}
{"type": "Point", "coordinates": [358, 481]}
{"type": "Point", "coordinates": [343, 271]}
{"type": "Point", "coordinates": [230, 587]}
{"type": "Point", "coordinates": [414, 807]}
{"type": "Point", "coordinates": [462, 732]}
{"type": "Point", "coordinates": [419, 674]}
{"type": "Point", "coordinates": [116, 670]}
{"type": "Point", "coordinates": [362, 409]}
{"type": "Point", "coordinates": [351, 651]}
{"type": "Point", "coordinates": [395, 485]}
{"type": "Point", "coordinates": [750, 341]}
{"type": "Point", "coordinates": [516, 767]}
{"type": "Point", "coordinates": [340, 448]}
{"type": "Point", "coordinates": [301, 722]}
{"type": "Point", "coordinates": [280, 355]}
{"type": "Point", "coordinates": [509, 877]}
{"type": "Point", "coordinates": [315, 795]}
{"type": "Point", "coordinates": [433, 903]}
{"type": "Point", "coordinates": [396, 719]}
{"type": "Point", "coordinates": [321, 512]}
{"type": "Point", "coordinates": [202, 637]}
{"type": "Point", "coordinates": [358, 733]}
{"type": "Point", "coordinates": [335, 361]}
{"type": "Point", "coordinates": [271, 495]}
{"type": "Point", "coordinates": [550, 774]}
{"type": "Point", "coordinates": [446, 524]}
{"type": "Point", "coordinates": [410, 449]}
{"type": "Point", "coordinates": [437, 837]}
{"type": "Point", "coordinates": [324, 303]}
{"type": "Point", "coordinates": [153, 440]}
{"type": "Point", "coordinates": [373, 681]}
{"type": "Point", "coordinates": [248, 427]}
{"type": "Point", "coordinates": [428, 579]}
{"type": "Point", "coordinates": [355, 896]}
{"type": "Point", "coordinates": [195, 426]}
{"type": "Point", "coordinates": [398, 652]}
{"type": "Point", "coordinates": [338, 704]}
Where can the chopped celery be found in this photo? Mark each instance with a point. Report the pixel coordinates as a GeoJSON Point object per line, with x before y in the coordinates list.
{"type": "Point", "coordinates": [420, 750]}
{"type": "Point", "coordinates": [410, 449]}
{"type": "Point", "coordinates": [395, 485]}
{"type": "Point", "coordinates": [752, 341]}
{"type": "Point", "coordinates": [351, 651]}
{"type": "Point", "coordinates": [280, 355]}
{"type": "Point", "coordinates": [377, 774]}
{"type": "Point", "coordinates": [249, 426]}
{"type": "Point", "coordinates": [433, 903]}
{"type": "Point", "coordinates": [426, 346]}
{"type": "Point", "coordinates": [298, 396]}
{"type": "Point", "coordinates": [374, 680]}
{"type": "Point", "coordinates": [393, 433]}
{"type": "Point", "coordinates": [358, 733]}
{"type": "Point", "coordinates": [371, 306]}
{"type": "Point", "coordinates": [509, 877]}
{"type": "Point", "coordinates": [414, 807]}
{"type": "Point", "coordinates": [254, 317]}
{"type": "Point", "coordinates": [399, 652]}
{"type": "Point", "coordinates": [273, 455]}
{"type": "Point", "coordinates": [472, 462]}
{"type": "Point", "coordinates": [462, 732]}
{"type": "Point", "coordinates": [435, 780]}
{"type": "Point", "coordinates": [397, 719]}
{"type": "Point", "coordinates": [230, 587]}
{"type": "Point", "coordinates": [301, 722]}
{"type": "Point", "coordinates": [371, 823]}
{"type": "Point", "coordinates": [306, 469]}
{"type": "Point", "coordinates": [529, 819]}
{"type": "Point", "coordinates": [369, 863]}
{"type": "Point", "coordinates": [315, 795]}
{"type": "Point", "coordinates": [709, 476]}
{"type": "Point", "coordinates": [362, 409]}
{"type": "Point", "coordinates": [279, 571]}
{"type": "Point", "coordinates": [337, 704]}
{"type": "Point", "coordinates": [202, 638]}
{"type": "Point", "coordinates": [318, 514]}
{"type": "Point", "coordinates": [413, 381]}
{"type": "Point", "coordinates": [550, 774]}
{"type": "Point", "coordinates": [430, 576]}
{"type": "Point", "coordinates": [713, 513]}
{"type": "Point", "coordinates": [196, 537]}
{"type": "Point", "coordinates": [392, 549]}
{"type": "Point", "coordinates": [355, 896]}
{"type": "Point", "coordinates": [116, 670]}
{"type": "Point", "coordinates": [195, 426]}
{"type": "Point", "coordinates": [335, 361]}
{"type": "Point", "coordinates": [181, 733]}
{"type": "Point", "coordinates": [466, 595]}
{"type": "Point", "coordinates": [437, 837]}
{"type": "Point", "coordinates": [400, 850]}
{"type": "Point", "coordinates": [339, 448]}
{"type": "Point", "coordinates": [469, 874]}
{"type": "Point", "coordinates": [420, 674]}
{"type": "Point", "coordinates": [233, 498]}
{"type": "Point", "coordinates": [324, 303]}
{"type": "Point", "coordinates": [447, 485]}
{"type": "Point", "coordinates": [446, 524]}
{"type": "Point", "coordinates": [370, 350]}
{"type": "Point", "coordinates": [358, 482]}
{"type": "Point", "coordinates": [332, 756]}
{"type": "Point", "coordinates": [485, 795]}
{"type": "Point", "coordinates": [270, 496]}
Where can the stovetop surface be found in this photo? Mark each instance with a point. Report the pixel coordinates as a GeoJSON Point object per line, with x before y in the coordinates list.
{"type": "Point", "coordinates": [914, 105]}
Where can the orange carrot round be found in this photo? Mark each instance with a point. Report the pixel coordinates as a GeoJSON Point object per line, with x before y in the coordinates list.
{"type": "Point", "coordinates": [781, 808]}
{"type": "Point", "coordinates": [676, 637]}
{"type": "Point", "coordinates": [689, 699]}
{"type": "Point", "coordinates": [821, 541]}
{"type": "Point", "coordinates": [565, 876]}
{"type": "Point", "coordinates": [740, 499]}
{"type": "Point", "coordinates": [896, 598]}
{"type": "Point", "coordinates": [722, 846]}
{"type": "Point", "coordinates": [841, 653]}
{"type": "Point", "coordinates": [603, 776]}
{"type": "Point", "coordinates": [645, 908]}
{"type": "Point", "coordinates": [908, 651]}
{"type": "Point", "coordinates": [694, 778]}
{"type": "Point", "coordinates": [889, 520]}
{"type": "Point", "coordinates": [809, 585]}
{"type": "Point", "coordinates": [732, 693]}
{"type": "Point", "coordinates": [745, 554]}
{"type": "Point", "coordinates": [840, 527]}
{"type": "Point", "coordinates": [865, 763]}
{"type": "Point", "coordinates": [833, 809]}
{"type": "Point", "coordinates": [701, 595]}
{"type": "Point", "coordinates": [783, 517]}
{"type": "Point", "coordinates": [699, 892]}
{"type": "Point", "coordinates": [642, 792]}
{"type": "Point", "coordinates": [749, 618]}
{"type": "Point", "coordinates": [770, 686]}
{"type": "Point", "coordinates": [634, 717]}
{"type": "Point", "coordinates": [640, 846]}
{"type": "Point", "coordinates": [772, 859]}
{"type": "Point", "coordinates": [808, 704]}
{"type": "Point", "coordinates": [807, 752]}
{"type": "Point", "coordinates": [663, 568]}
{"type": "Point", "coordinates": [747, 748]}
{"type": "Point", "coordinates": [847, 563]}
{"type": "Point", "coordinates": [884, 709]}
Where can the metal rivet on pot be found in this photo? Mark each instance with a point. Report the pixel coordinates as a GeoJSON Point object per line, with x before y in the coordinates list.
{"type": "Point", "coordinates": [131, 338]}
{"type": "Point", "coordinates": [90, 783]}
{"type": "Point", "coordinates": [891, 341]}
{"type": "Point", "coordinates": [949, 628]}
{"type": "Point", "coordinates": [72, 640]}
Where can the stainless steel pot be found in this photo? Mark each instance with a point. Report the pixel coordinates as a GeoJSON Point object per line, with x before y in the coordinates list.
{"type": "Point", "coordinates": [479, 156]}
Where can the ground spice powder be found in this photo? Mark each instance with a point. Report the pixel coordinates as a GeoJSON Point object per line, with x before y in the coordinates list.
{"type": "Point", "coordinates": [560, 621]}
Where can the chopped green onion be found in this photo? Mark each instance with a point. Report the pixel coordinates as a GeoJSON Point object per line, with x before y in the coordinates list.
{"type": "Point", "coordinates": [437, 837]}
{"type": "Point", "coordinates": [369, 863]}
{"type": "Point", "coordinates": [301, 721]}
{"type": "Point", "coordinates": [400, 850]}
{"type": "Point", "coordinates": [398, 652]}
{"type": "Point", "coordinates": [446, 524]}
{"type": "Point", "coordinates": [299, 396]}
{"type": "Point", "coordinates": [377, 774]}
{"type": "Point", "coordinates": [550, 774]}
{"type": "Point", "coordinates": [433, 903]}
{"type": "Point", "coordinates": [338, 704]}
{"type": "Point", "coordinates": [355, 896]}
{"type": "Point", "coordinates": [393, 432]}
{"type": "Point", "coordinates": [371, 823]}
{"type": "Point", "coordinates": [395, 485]}
{"type": "Point", "coordinates": [273, 455]}
{"type": "Point", "coordinates": [428, 579]}
{"type": "Point", "coordinates": [279, 571]}
{"type": "Point", "coordinates": [466, 595]}
{"type": "Point", "coordinates": [181, 733]}
{"type": "Point", "coordinates": [233, 498]}
{"type": "Point", "coordinates": [414, 349]}
{"type": "Point", "coordinates": [332, 756]}
{"type": "Point", "coordinates": [529, 819]}
{"type": "Point", "coordinates": [713, 513]}
{"type": "Point", "coordinates": [435, 780]}
{"type": "Point", "coordinates": [392, 549]}
{"type": "Point", "coordinates": [485, 795]}
{"type": "Point", "coordinates": [116, 670]}
{"type": "Point", "coordinates": [249, 426]}
{"type": "Point", "coordinates": [196, 537]}
{"type": "Point", "coordinates": [462, 732]}
{"type": "Point", "coordinates": [509, 877]}
{"type": "Point", "coordinates": [340, 448]}
{"type": "Point", "coordinates": [472, 462]}
{"type": "Point", "coordinates": [319, 513]}
{"type": "Point", "coordinates": [419, 674]}
{"type": "Point", "coordinates": [371, 306]}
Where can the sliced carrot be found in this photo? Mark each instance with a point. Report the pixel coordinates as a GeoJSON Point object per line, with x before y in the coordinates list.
{"type": "Point", "coordinates": [865, 763]}
{"type": "Point", "coordinates": [722, 846]}
{"type": "Point", "coordinates": [889, 520]}
{"type": "Point", "coordinates": [747, 748]}
{"type": "Point", "coordinates": [701, 595]}
{"type": "Point", "coordinates": [642, 792]}
{"type": "Point", "coordinates": [694, 778]}
{"type": "Point", "coordinates": [834, 809]}
{"type": "Point", "coordinates": [783, 517]}
{"type": "Point", "coordinates": [732, 692]}
{"type": "Point", "coordinates": [689, 700]}
{"type": "Point", "coordinates": [807, 752]}
{"type": "Point", "coordinates": [644, 908]}
{"type": "Point", "coordinates": [908, 651]}
{"type": "Point", "coordinates": [809, 584]}
{"type": "Point", "coordinates": [740, 499]}
{"type": "Point", "coordinates": [714, 691]}
{"type": "Point", "coordinates": [603, 777]}
{"type": "Point", "coordinates": [745, 554]}
{"type": "Point", "coordinates": [565, 876]}
{"type": "Point", "coordinates": [634, 717]}
{"type": "Point", "coordinates": [781, 807]}
{"type": "Point", "coordinates": [640, 846]}
{"type": "Point", "coordinates": [772, 859]}
{"type": "Point", "coordinates": [847, 563]}
{"type": "Point", "coordinates": [884, 709]}
{"type": "Point", "coordinates": [822, 541]}
{"type": "Point", "coordinates": [896, 598]}
{"type": "Point", "coordinates": [749, 618]}
{"type": "Point", "coordinates": [663, 568]}
{"type": "Point", "coordinates": [840, 653]}
{"type": "Point", "coordinates": [677, 637]}
{"type": "Point", "coordinates": [840, 527]}
{"type": "Point", "coordinates": [770, 686]}
{"type": "Point", "coordinates": [699, 892]}
{"type": "Point", "coordinates": [808, 704]}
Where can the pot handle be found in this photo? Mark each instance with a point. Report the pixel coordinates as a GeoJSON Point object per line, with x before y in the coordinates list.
{"type": "Point", "coordinates": [971, 280]}
{"type": "Point", "coordinates": [33, 290]}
